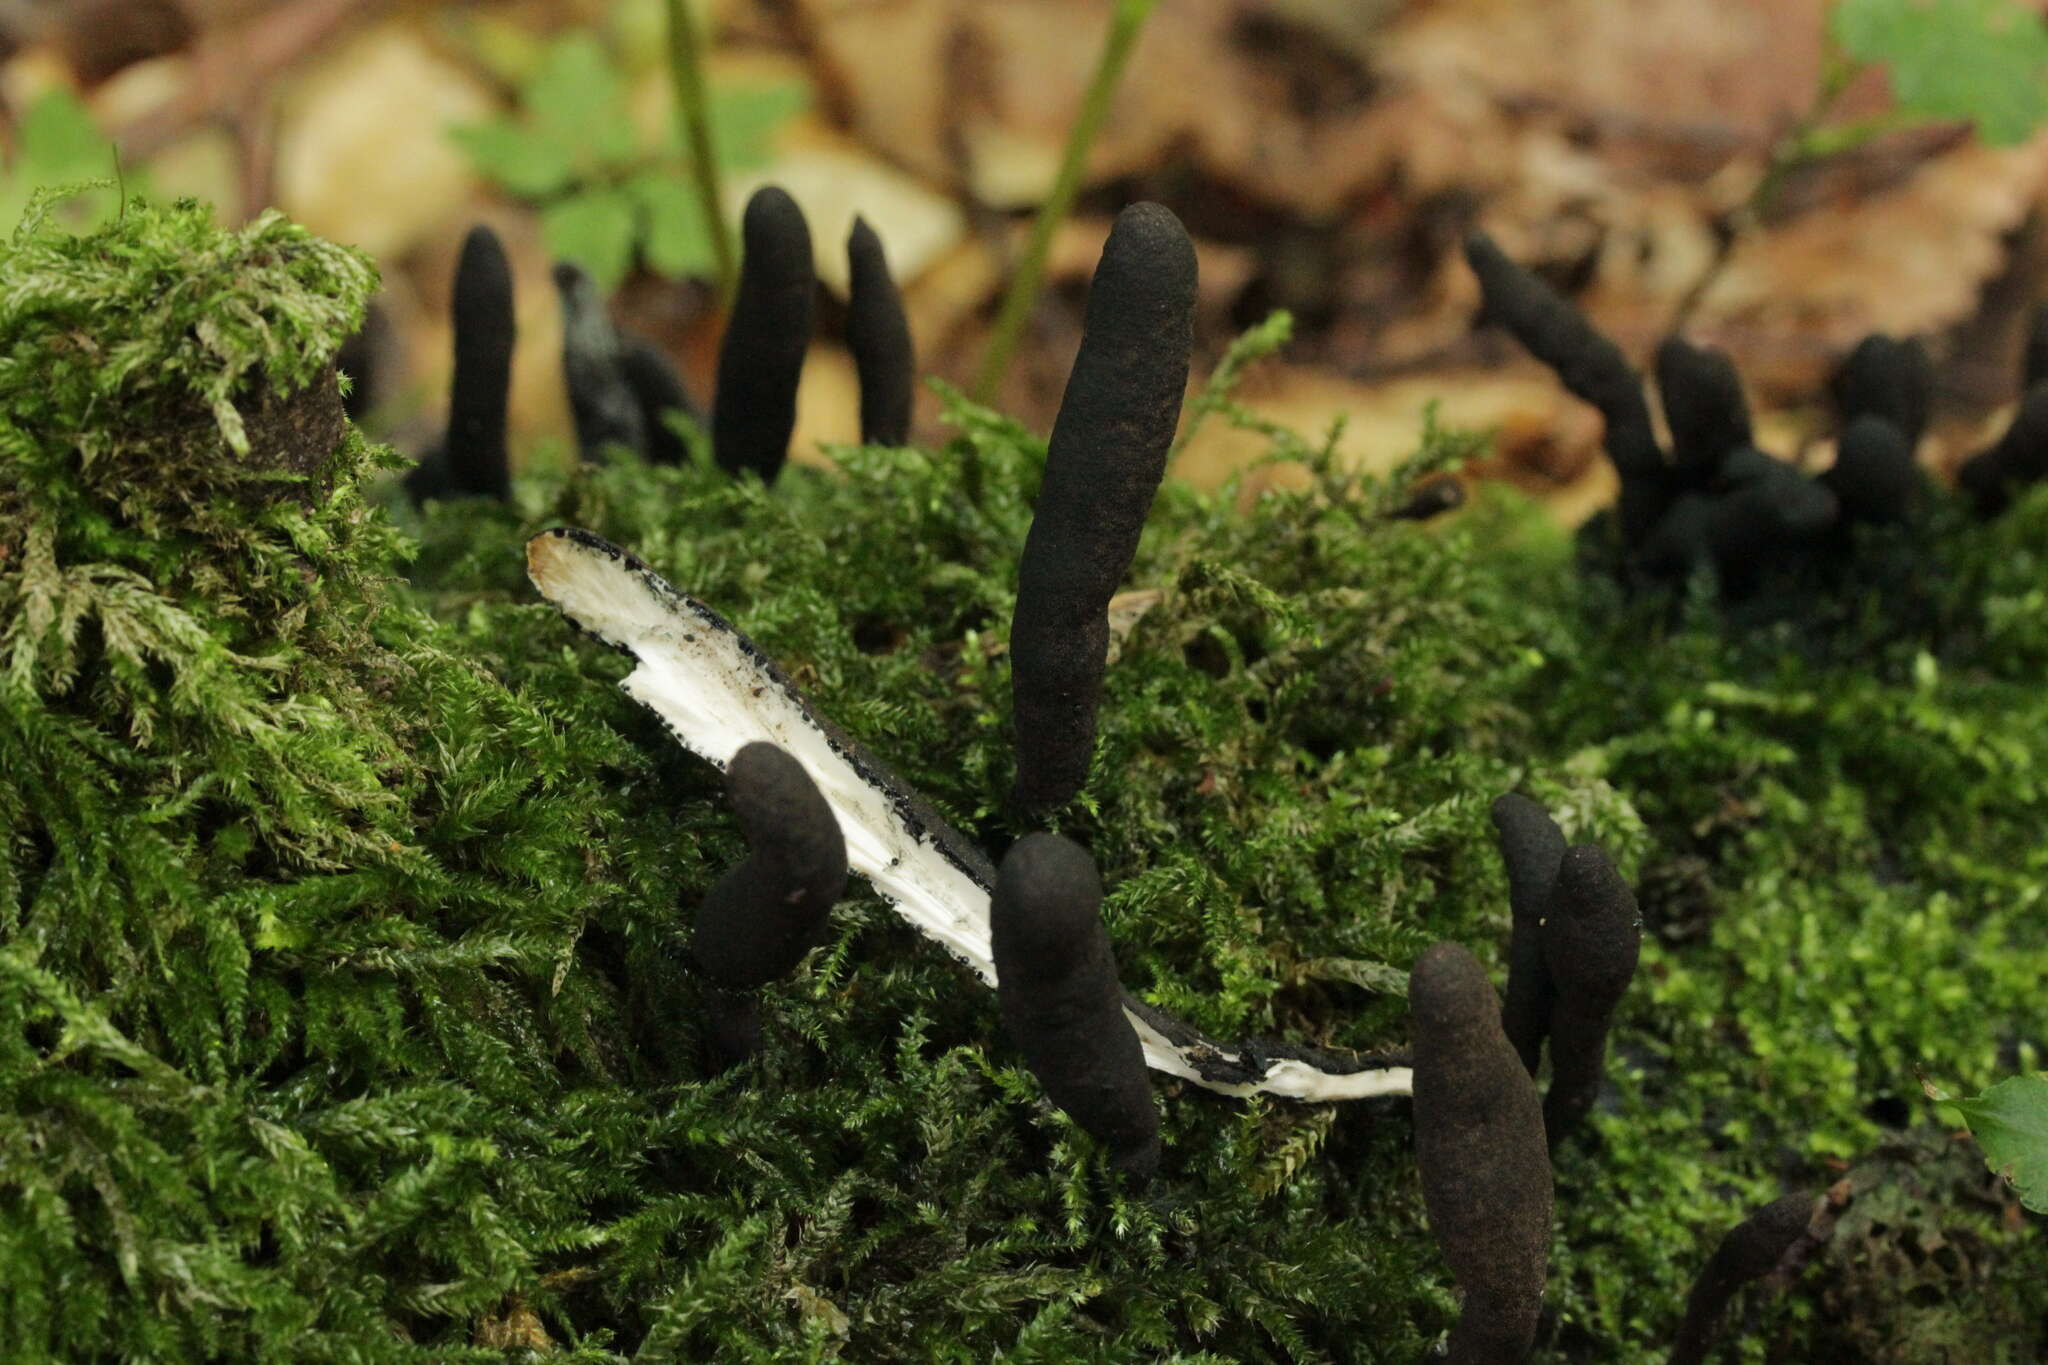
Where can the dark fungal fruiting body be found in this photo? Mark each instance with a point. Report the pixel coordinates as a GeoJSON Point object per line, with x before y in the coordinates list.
{"type": "Point", "coordinates": [603, 405]}
{"type": "Point", "coordinates": [761, 357]}
{"type": "Point", "coordinates": [1751, 1250]}
{"type": "Point", "coordinates": [1991, 478]}
{"type": "Point", "coordinates": [1531, 845]}
{"type": "Point", "coordinates": [1592, 935]}
{"type": "Point", "coordinates": [715, 691]}
{"type": "Point", "coordinates": [879, 336]}
{"type": "Point", "coordinates": [1056, 987]}
{"type": "Point", "coordinates": [1874, 476]}
{"type": "Point", "coordinates": [1480, 1147]}
{"type": "Point", "coordinates": [1103, 464]}
{"type": "Point", "coordinates": [658, 390]}
{"type": "Point", "coordinates": [1887, 378]}
{"type": "Point", "coordinates": [1590, 366]}
{"type": "Point", "coordinates": [472, 461]}
{"type": "Point", "coordinates": [765, 913]}
{"type": "Point", "coordinates": [1703, 406]}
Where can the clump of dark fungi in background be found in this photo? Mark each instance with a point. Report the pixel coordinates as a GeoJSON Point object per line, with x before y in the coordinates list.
{"type": "Point", "coordinates": [472, 460]}
{"type": "Point", "coordinates": [1591, 938]}
{"type": "Point", "coordinates": [1056, 986]}
{"type": "Point", "coordinates": [761, 358]}
{"type": "Point", "coordinates": [764, 914]}
{"type": "Point", "coordinates": [1484, 1164]}
{"type": "Point", "coordinates": [1103, 464]}
{"type": "Point", "coordinates": [1751, 1250]}
{"type": "Point", "coordinates": [878, 334]}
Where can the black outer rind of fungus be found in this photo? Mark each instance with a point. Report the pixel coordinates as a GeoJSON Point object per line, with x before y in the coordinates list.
{"type": "Point", "coordinates": [606, 411]}
{"type": "Point", "coordinates": [1750, 1250]}
{"type": "Point", "coordinates": [1591, 937]}
{"type": "Point", "coordinates": [1678, 545]}
{"type": "Point", "coordinates": [1873, 476]}
{"type": "Point", "coordinates": [1768, 517]}
{"type": "Point", "coordinates": [1480, 1147]}
{"type": "Point", "coordinates": [1531, 846]}
{"type": "Point", "coordinates": [1992, 477]}
{"type": "Point", "coordinates": [1056, 986]}
{"type": "Point", "coordinates": [1590, 366]}
{"type": "Point", "coordinates": [878, 334]}
{"type": "Point", "coordinates": [1704, 407]}
{"type": "Point", "coordinates": [763, 915]}
{"type": "Point", "coordinates": [1889, 379]}
{"type": "Point", "coordinates": [762, 356]}
{"type": "Point", "coordinates": [1103, 464]}
{"type": "Point", "coordinates": [657, 389]}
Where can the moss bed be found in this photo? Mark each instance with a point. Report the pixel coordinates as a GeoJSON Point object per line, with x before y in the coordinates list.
{"type": "Point", "coordinates": [344, 901]}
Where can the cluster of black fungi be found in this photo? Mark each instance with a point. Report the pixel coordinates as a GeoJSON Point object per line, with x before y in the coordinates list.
{"type": "Point", "coordinates": [1483, 1136]}
{"type": "Point", "coordinates": [1715, 501]}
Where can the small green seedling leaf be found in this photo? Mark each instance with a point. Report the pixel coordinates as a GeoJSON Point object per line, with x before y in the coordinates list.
{"type": "Point", "coordinates": [673, 231]}
{"type": "Point", "coordinates": [2010, 1122]}
{"type": "Point", "coordinates": [1981, 60]}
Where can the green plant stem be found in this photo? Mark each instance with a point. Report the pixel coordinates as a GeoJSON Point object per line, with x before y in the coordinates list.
{"type": "Point", "coordinates": [1030, 277]}
{"type": "Point", "coordinates": [686, 69]}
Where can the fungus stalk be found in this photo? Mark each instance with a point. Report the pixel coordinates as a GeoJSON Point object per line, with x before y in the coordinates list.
{"type": "Point", "coordinates": [1057, 990]}
{"type": "Point", "coordinates": [763, 915]}
{"type": "Point", "coordinates": [1751, 1250]}
{"type": "Point", "coordinates": [761, 357]}
{"type": "Point", "coordinates": [1103, 464]}
{"type": "Point", "coordinates": [472, 461]}
{"type": "Point", "coordinates": [1591, 938]}
{"type": "Point", "coordinates": [1484, 1164]}
{"type": "Point", "coordinates": [879, 336]}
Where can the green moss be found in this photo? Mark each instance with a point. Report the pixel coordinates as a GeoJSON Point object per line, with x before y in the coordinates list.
{"type": "Point", "coordinates": [343, 1015]}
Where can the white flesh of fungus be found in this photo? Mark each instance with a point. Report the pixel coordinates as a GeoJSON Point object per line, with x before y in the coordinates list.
{"type": "Point", "coordinates": [709, 686]}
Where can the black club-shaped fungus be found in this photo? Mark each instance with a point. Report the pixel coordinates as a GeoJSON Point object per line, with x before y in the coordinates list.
{"type": "Point", "coordinates": [1886, 378]}
{"type": "Point", "coordinates": [1056, 987]}
{"type": "Point", "coordinates": [1103, 464]}
{"type": "Point", "coordinates": [1531, 845]}
{"type": "Point", "coordinates": [472, 461]}
{"type": "Point", "coordinates": [1591, 937]}
{"type": "Point", "coordinates": [762, 356]}
{"type": "Point", "coordinates": [878, 334]}
{"type": "Point", "coordinates": [600, 400]}
{"type": "Point", "coordinates": [1751, 1250]}
{"type": "Point", "coordinates": [764, 914]}
{"type": "Point", "coordinates": [1590, 366]}
{"type": "Point", "coordinates": [1874, 477]}
{"type": "Point", "coordinates": [1703, 406]}
{"type": "Point", "coordinates": [1484, 1163]}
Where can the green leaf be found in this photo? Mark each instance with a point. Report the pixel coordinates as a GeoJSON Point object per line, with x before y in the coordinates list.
{"type": "Point", "coordinates": [573, 124]}
{"type": "Point", "coordinates": [1981, 60]}
{"type": "Point", "coordinates": [578, 96]}
{"type": "Point", "coordinates": [2010, 1122]}
{"type": "Point", "coordinates": [594, 230]}
{"type": "Point", "coordinates": [527, 161]}
{"type": "Point", "coordinates": [745, 120]}
{"type": "Point", "coordinates": [673, 231]}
